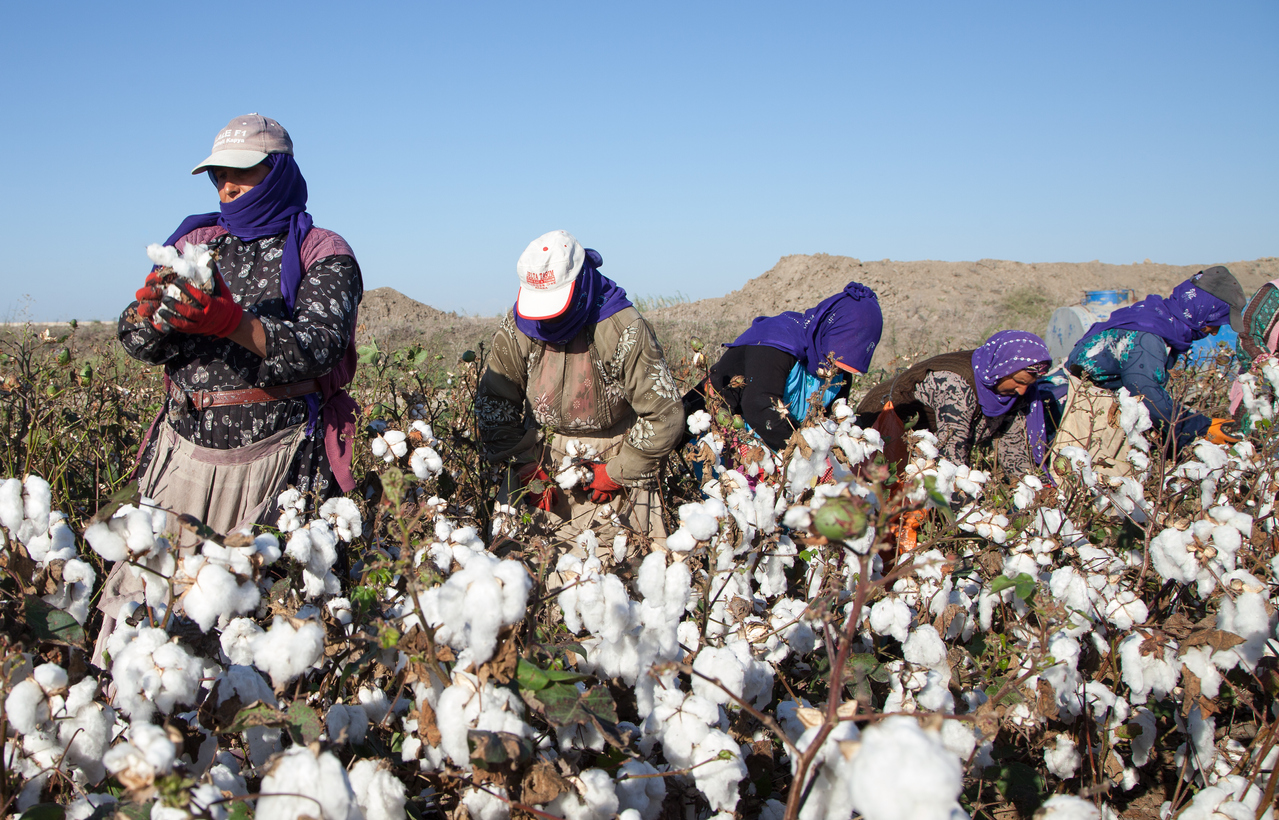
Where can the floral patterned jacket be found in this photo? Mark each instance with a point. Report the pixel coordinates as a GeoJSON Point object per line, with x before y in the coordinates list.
{"type": "Point", "coordinates": [613, 374]}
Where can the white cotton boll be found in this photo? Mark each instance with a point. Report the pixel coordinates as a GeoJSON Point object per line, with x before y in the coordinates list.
{"type": "Point", "coordinates": [1062, 759]}
{"type": "Point", "coordinates": [901, 773]}
{"type": "Point", "coordinates": [594, 798]}
{"type": "Point", "coordinates": [426, 463]}
{"type": "Point", "coordinates": [287, 649]}
{"type": "Point", "coordinates": [1245, 615]}
{"type": "Point", "coordinates": [1144, 742]}
{"type": "Point", "coordinates": [716, 777]}
{"type": "Point", "coordinates": [1067, 807]}
{"type": "Point", "coordinates": [482, 805]}
{"type": "Point", "coordinates": [699, 422]}
{"type": "Point", "coordinates": [639, 791]}
{"type": "Point", "coordinates": [83, 808]}
{"type": "Point", "coordinates": [891, 616]}
{"type": "Point", "coordinates": [150, 672]}
{"type": "Point", "coordinates": [1126, 609]}
{"type": "Point", "coordinates": [349, 723]}
{"type": "Point", "coordinates": [379, 793]}
{"type": "Point", "coordinates": [925, 648]}
{"type": "Point", "coordinates": [681, 541]}
{"type": "Point", "coordinates": [11, 505]}
{"type": "Point", "coordinates": [375, 704]}
{"type": "Point", "coordinates": [106, 539]}
{"type": "Point", "coordinates": [37, 501]}
{"type": "Point", "coordinates": [701, 526]}
{"type": "Point", "coordinates": [147, 753]}
{"type": "Point", "coordinates": [1171, 558]}
{"type": "Point", "coordinates": [236, 640]}
{"type": "Point", "coordinates": [51, 677]}
{"type": "Point", "coordinates": [27, 706]}
{"type": "Point", "coordinates": [304, 783]}
{"type": "Point", "coordinates": [343, 516]}
{"type": "Point", "coordinates": [1026, 491]}
{"type": "Point", "coordinates": [217, 596]}
{"type": "Point", "coordinates": [722, 664]}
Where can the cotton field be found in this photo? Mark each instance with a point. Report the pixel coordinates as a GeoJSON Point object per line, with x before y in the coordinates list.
{"type": "Point", "coordinates": [1100, 648]}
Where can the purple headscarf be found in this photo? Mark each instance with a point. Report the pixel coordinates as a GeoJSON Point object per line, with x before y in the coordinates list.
{"type": "Point", "coordinates": [275, 205]}
{"type": "Point", "coordinates": [847, 324]}
{"type": "Point", "coordinates": [595, 298]}
{"type": "Point", "coordinates": [1003, 354]}
{"type": "Point", "coordinates": [1180, 319]}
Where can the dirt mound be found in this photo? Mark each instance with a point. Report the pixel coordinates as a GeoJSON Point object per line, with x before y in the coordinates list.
{"type": "Point", "coordinates": [388, 308]}
{"type": "Point", "coordinates": [929, 306]}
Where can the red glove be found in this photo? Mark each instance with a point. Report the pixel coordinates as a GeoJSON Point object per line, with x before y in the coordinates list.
{"type": "Point", "coordinates": [546, 499]}
{"type": "Point", "coordinates": [214, 314]}
{"type": "Point", "coordinates": [149, 296]}
{"type": "Point", "coordinates": [602, 487]}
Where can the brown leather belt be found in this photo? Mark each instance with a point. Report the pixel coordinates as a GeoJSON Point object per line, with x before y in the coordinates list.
{"type": "Point", "coordinates": [203, 399]}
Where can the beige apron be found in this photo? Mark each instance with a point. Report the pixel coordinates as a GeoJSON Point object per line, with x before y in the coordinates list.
{"type": "Point", "coordinates": [1091, 421]}
{"type": "Point", "coordinates": [226, 489]}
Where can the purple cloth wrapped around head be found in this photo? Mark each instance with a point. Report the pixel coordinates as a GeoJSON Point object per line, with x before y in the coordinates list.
{"type": "Point", "coordinates": [1180, 319]}
{"type": "Point", "coordinates": [595, 298]}
{"type": "Point", "coordinates": [1003, 354]}
{"type": "Point", "coordinates": [847, 325]}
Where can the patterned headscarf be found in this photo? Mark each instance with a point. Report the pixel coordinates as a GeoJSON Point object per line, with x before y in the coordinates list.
{"type": "Point", "coordinates": [847, 325]}
{"type": "Point", "coordinates": [1180, 320]}
{"type": "Point", "coordinates": [1004, 354]}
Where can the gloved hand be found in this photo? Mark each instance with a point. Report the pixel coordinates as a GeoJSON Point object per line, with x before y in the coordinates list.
{"type": "Point", "coordinates": [546, 499]}
{"type": "Point", "coordinates": [1222, 431]}
{"type": "Point", "coordinates": [212, 314]}
{"type": "Point", "coordinates": [149, 296]}
{"type": "Point", "coordinates": [602, 487]}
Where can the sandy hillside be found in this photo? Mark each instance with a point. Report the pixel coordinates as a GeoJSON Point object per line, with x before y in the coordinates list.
{"type": "Point", "coordinates": [932, 305]}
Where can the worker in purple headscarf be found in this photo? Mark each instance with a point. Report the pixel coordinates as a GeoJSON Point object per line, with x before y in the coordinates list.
{"type": "Point", "coordinates": [785, 360]}
{"type": "Point", "coordinates": [254, 367]}
{"type": "Point", "coordinates": [973, 397]}
{"type": "Point", "coordinates": [576, 360]}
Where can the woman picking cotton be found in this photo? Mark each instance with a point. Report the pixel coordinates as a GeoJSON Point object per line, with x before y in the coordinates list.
{"type": "Point", "coordinates": [975, 397]}
{"type": "Point", "coordinates": [577, 396]}
{"type": "Point", "coordinates": [1138, 345]}
{"type": "Point", "coordinates": [1258, 340]}
{"type": "Point", "coordinates": [770, 373]}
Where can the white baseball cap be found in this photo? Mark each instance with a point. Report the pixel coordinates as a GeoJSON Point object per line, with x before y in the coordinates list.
{"type": "Point", "coordinates": [548, 269]}
{"type": "Point", "coordinates": [245, 142]}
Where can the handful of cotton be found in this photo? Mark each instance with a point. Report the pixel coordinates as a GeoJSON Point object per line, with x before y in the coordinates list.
{"type": "Point", "coordinates": [194, 263]}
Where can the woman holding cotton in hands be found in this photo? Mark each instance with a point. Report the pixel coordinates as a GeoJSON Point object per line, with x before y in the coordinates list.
{"type": "Point", "coordinates": [578, 398]}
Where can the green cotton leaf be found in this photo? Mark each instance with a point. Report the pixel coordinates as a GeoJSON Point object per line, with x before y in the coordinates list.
{"type": "Point", "coordinates": [128, 494]}
{"type": "Point", "coordinates": [1000, 584]}
{"type": "Point", "coordinates": [44, 811]}
{"type": "Point", "coordinates": [565, 706]}
{"type": "Point", "coordinates": [239, 810]}
{"type": "Point", "coordinates": [1025, 587]}
{"type": "Point", "coordinates": [259, 714]}
{"type": "Point", "coordinates": [491, 750]}
{"type": "Point", "coordinates": [422, 357]}
{"type": "Point", "coordinates": [304, 723]}
{"type": "Point", "coordinates": [535, 679]}
{"type": "Point", "coordinates": [49, 623]}
{"type": "Point", "coordinates": [367, 353]}
{"type": "Point", "coordinates": [1019, 784]}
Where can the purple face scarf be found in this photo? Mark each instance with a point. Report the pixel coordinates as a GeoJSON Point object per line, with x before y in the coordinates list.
{"type": "Point", "coordinates": [1180, 319]}
{"type": "Point", "coordinates": [275, 205]}
{"type": "Point", "coordinates": [1003, 354]}
{"type": "Point", "coordinates": [595, 298]}
{"type": "Point", "coordinates": [847, 324]}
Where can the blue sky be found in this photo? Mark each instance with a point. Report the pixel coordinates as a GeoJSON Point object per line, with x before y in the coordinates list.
{"type": "Point", "coordinates": [692, 144]}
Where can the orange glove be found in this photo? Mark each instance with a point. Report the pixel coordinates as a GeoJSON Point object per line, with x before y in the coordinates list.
{"type": "Point", "coordinates": [1217, 433]}
{"type": "Point", "coordinates": [149, 296]}
{"type": "Point", "coordinates": [213, 314]}
{"type": "Point", "coordinates": [546, 499]}
{"type": "Point", "coordinates": [603, 488]}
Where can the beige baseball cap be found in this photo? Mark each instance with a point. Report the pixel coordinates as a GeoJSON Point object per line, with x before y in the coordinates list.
{"type": "Point", "coordinates": [245, 142]}
{"type": "Point", "coordinates": [548, 269]}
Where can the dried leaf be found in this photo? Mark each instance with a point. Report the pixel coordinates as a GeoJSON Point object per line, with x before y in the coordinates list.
{"type": "Point", "coordinates": [1218, 639]}
{"type": "Point", "coordinates": [1046, 699]}
{"type": "Point", "coordinates": [1178, 625]}
{"type": "Point", "coordinates": [501, 667]}
{"type": "Point", "coordinates": [542, 784]}
{"type": "Point", "coordinates": [1190, 683]}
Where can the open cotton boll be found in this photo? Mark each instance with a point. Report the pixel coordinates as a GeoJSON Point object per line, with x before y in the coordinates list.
{"type": "Point", "coordinates": [343, 517]}
{"type": "Point", "coordinates": [11, 505]}
{"type": "Point", "coordinates": [37, 500]}
{"type": "Point", "coordinates": [700, 524]}
{"type": "Point", "coordinates": [379, 793]}
{"type": "Point", "coordinates": [150, 672]}
{"type": "Point", "coordinates": [236, 640]}
{"type": "Point", "coordinates": [699, 422]}
{"type": "Point", "coordinates": [389, 446]}
{"type": "Point", "coordinates": [375, 703]}
{"type": "Point", "coordinates": [346, 723]}
{"type": "Point", "coordinates": [902, 773]}
{"type": "Point", "coordinates": [1062, 759]}
{"type": "Point", "coordinates": [287, 649]}
{"type": "Point", "coordinates": [147, 753]}
{"type": "Point", "coordinates": [426, 463]}
{"type": "Point", "coordinates": [84, 808]}
{"type": "Point", "coordinates": [1067, 807]}
{"type": "Point", "coordinates": [722, 664]}
{"type": "Point", "coordinates": [27, 706]}
{"type": "Point", "coordinates": [303, 782]}
{"type": "Point", "coordinates": [639, 791]}
{"type": "Point", "coordinates": [487, 803]}
{"type": "Point", "coordinates": [593, 797]}
{"type": "Point", "coordinates": [475, 602]}
{"type": "Point", "coordinates": [718, 769]}
{"type": "Point", "coordinates": [216, 596]}
{"type": "Point", "coordinates": [461, 708]}
{"type": "Point", "coordinates": [891, 616]}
